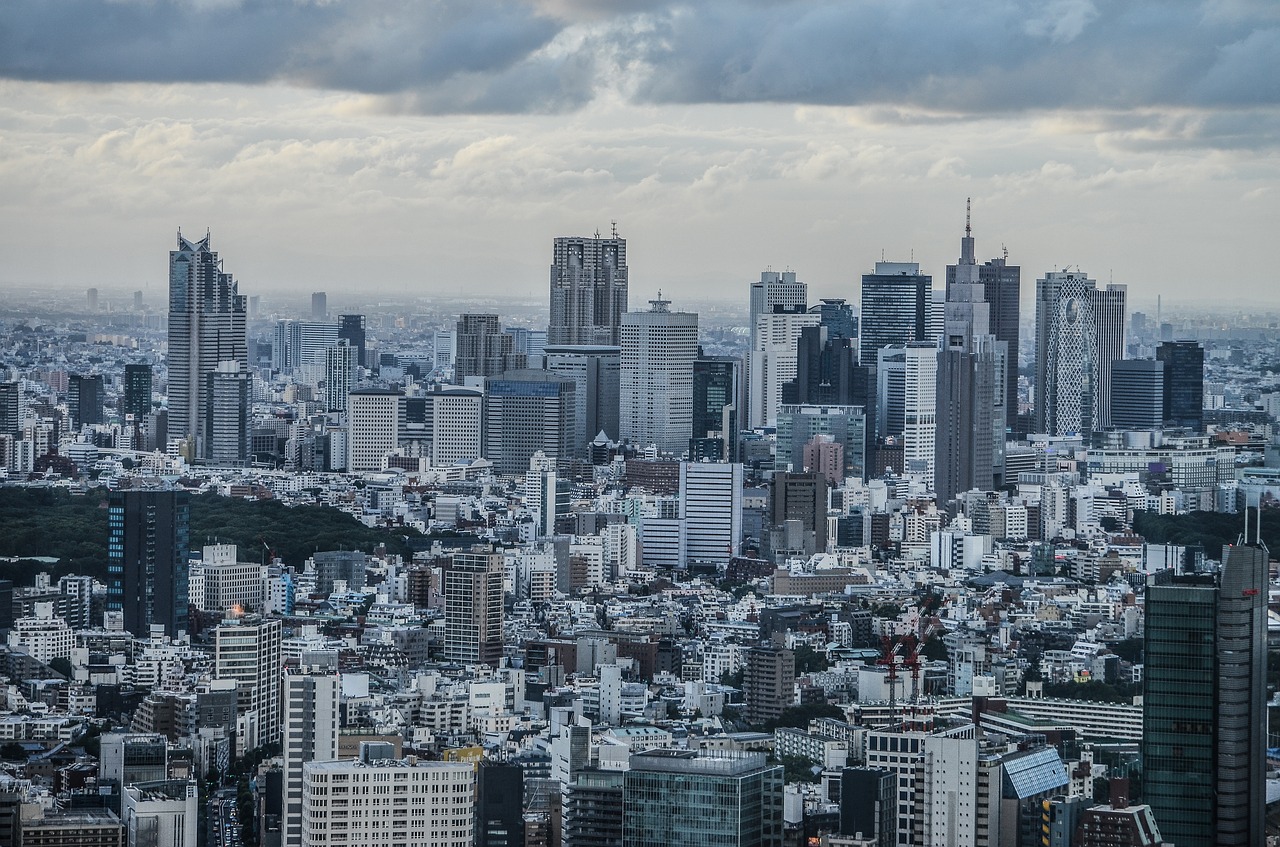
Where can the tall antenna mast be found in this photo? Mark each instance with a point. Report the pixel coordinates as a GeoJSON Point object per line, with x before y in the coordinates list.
{"type": "Point", "coordinates": [967, 230]}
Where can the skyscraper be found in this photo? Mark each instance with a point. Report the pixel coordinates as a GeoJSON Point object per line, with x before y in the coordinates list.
{"type": "Point", "coordinates": [319, 305]}
{"type": "Point", "coordinates": [1137, 394]}
{"type": "Point", "coordinates": [206, 326]}
{"type": "Point", "coordinates": [1111, 319]}
{"type": "Point", "coordinates": [1204, 734]}
{"type": "Point", "coordinates": [711, 506]}
{"type": "Point", "coordinates": [895, 307]}
{"type": "Point", "coordinates": [526, 411]}
{"type": "Point", "coordinates": [775, 288]}
{"type": "Point", "coordinates": [84, 400]}
{"type": "Point", "coordinates": [1184, 383]}
{"type": "Point", "coordinates": [483, 349]}
{"type": "Point", "coordinates": [1066, 354]}
{"type": "Point", "coordinates": [1002, 290]}
{"type": "Point", "coordinates": [687, 797]}
{"type": "Point", "coordinates": [311, 719]}
{"type": "Point", "coordinates": [226, 415]}
{"type": "Point", "coordinates": [340, 366]}
{"type": "Point", "coordinates": [827, 370]}
{"type": "Point", "coordinates": [298, 343]}
{"type": "Point", "coordinates": [10, 407]}
{"type": "Point", "coordinates": [596, 371]}
{"type": "Point", "coordinates": [920, 411]}
{"type": "Point", "coordinates": [773, 360]}
{"type": "Point", "coordinates": [137, 392]}
{"type": "Point", "coordinates": [837, 316]}
{"type": "Point", "coordinates": [247, 650]}
{"type": "Point", "coordinates": [658, 349]}
{"type": "Point", "coordinates": [799, 425]}
{"type": "Point", "coordinates": [374, 423]}
{"type": "Point", "coordinates": [588, 290]}
{"type": "Point", "coordinates": [717, 391]}
{"type": "Point", "coordinates": [473, 608]}
{"type": "Point", "coordinates": [351, 330]}
{"type": "Point", "coordinates": [147, 544]}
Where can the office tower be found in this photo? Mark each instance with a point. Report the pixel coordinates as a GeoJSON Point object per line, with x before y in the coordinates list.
{"type": "Point", "coordinates": [330, 566]}
{"type": "Point", "coordinates": [351, 330]}
{"type": "Point", "coordinates": [768, 683]}
{"type": "Point", "coordinates": [319, 305]}
{"type": "Point", "coordinates": [226, 415]}
{"type": "Point", "coordinates": [10, 408]}
{"type": "Point", "coordinates": [483, 349]}
{"type": "Point", "coordinates": [373, 424]}
{"type": "Point", "coordinates": [311, 718]}
{"type": "Point", "coordinates": [299, 343]}
{"type": "Point", "coordinates": [891, 386]}
{"type": "Point", "coordinates": [1066, 354]}
{"type": "Point", "coordinates": [919, 411]}
{"type": "Point", "coordinates": [446, 422]}
{"type": "Point", "coordinates": [658, 350]}
{"type": "Point", "coordinates": [593, 809]}
{"type": "Point", "coordinates": [588, 290]}
{"type": "Point", "coordinates": [443, 348]}
{"type": "Point", "coordinates": [1002, 291]}
{"type": "Point", "coordinates": [340, 367]}
{"type": "Point", "coordinates": [896, 302]}
{"type": "Point", "coordinates": [500, 805]}
{"type": "Point", "coordinates": [837, 316]}
{"type": "Point", "coordinates": [473, 608]}
{"type": "Point", "coordinates": [137, 392]}
{"type": "Point", "coordinates": [711, 501]}
{"type": "Point", "coordinates": [799, 425]}
{"type": "Point", "coordinates": [1204, 732]}
{"type": "Point", "coordinates": [91, 299]}
{"type": "Point", "coordinates": [799, 500]}
{"type": "Point", "coordinates": [84, 400]}
{"type": "Point", "coordinates": [403, 817]}
{"type": "Point", "coordinates": [206, 326]}
{"type": "Point", "coordinates": [775, 289]}
{"type": "Point", "coordinates": [937, 320]}
{"type": "Point", "coordinates": [1184, 383]}
{"type": "Point", "coordinates": [827, 371]}
{"type": "Point", "coordinates": [686, 797]}
{"type": "Point", "coordinates": [971, 385]}
{"type": "Point", "coordinates": [717, 392]}
{"type": "Point", "coordinates": [1137, 394]}
{"type": "Point", "coordinates": [1110, 318]}
{"type": "Point", "coordinates": [773, 360]}
{"type": "Point", "coordinates": [546, 494]}
{"type": "Point", "coordinates": [131, 757]}
{"type": "Point", "coordinates": [527, 411]}
{"type": "Point", "coordinates": [166, 811]}
{"type": "Point", "coordinates": [147, 543]}
{"type": "Point", "coordinates": [597, 373]}
{"type": "Point", "coordinates": [247, 650]}
{"type": "Point", "coordinates": [868, 799]}
{"type": "Point", "coordinates": [137, 301]}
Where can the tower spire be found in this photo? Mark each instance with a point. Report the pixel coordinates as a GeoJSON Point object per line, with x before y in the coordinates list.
{"type": "Point", "coordinates": [968, 232]}
{"type": "Point", "coordinates": [966, 243]}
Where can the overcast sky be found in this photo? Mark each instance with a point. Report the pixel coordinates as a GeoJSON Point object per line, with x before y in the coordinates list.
{"type": "Point", "coordinates": [422, 147]}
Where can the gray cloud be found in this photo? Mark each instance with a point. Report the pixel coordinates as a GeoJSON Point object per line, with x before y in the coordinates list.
{"type": "Point", "coordinates": [557, 55]}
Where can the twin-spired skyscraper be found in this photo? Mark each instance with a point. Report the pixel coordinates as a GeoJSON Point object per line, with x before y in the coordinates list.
{"type": "Point", "coordinates": [588, 290]}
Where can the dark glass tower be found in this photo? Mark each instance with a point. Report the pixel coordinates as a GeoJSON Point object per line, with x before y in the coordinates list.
{"type": "Point", "coordinates": [499, 805]}
{"type": "Point", "coordinates": [1204, 713]}
{"type": "Point", "coordinates": [84, 400]}
{"type": "Point", "coordinates": [351, 329]}
{"type": "Point", "coordinates": [147, 544]}
{"type": "Point", "coordinates": [1137, 394]}
{"type": "Point", "coordinates": [1183, 383]}
{"type": "Point", "coordinates": [895, 307]}
{"type": "Point", "coordinates": [716, 390]}
{"type": "Point", "coordinates": [137, 391]}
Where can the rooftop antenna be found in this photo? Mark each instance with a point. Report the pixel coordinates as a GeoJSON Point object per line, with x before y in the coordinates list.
{"type": "Point", "coordinates": [1005, 250]}
{"type": "Point", "coordinates": [613, 225]}
{"type": "Point", "coordinates": [967, 230]}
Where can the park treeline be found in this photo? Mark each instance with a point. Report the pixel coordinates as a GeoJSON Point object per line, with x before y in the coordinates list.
{"type": "Point", "coordinates": [1212, 530]}
{"type": "Point", "coordinates": [51, 522]}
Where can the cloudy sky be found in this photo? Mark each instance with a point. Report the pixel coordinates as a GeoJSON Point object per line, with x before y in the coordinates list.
{"type": "Point", "coordinates": [412, 146]}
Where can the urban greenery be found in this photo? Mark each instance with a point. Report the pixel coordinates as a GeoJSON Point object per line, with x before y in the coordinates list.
{"type": "Point", "coordinates": [1210, 529]}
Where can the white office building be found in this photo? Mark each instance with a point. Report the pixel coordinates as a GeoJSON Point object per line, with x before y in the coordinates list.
{"type": "Point", "coordinates": [711, 500]}
{"type": "Point", "coordinates": [658, 350]}
{"type": "Point", "coordinates": [311, 717]}
{"type": "Point", "coordinates": [772, 362]}
{"type": "Point", "coordinates": [373, 425]}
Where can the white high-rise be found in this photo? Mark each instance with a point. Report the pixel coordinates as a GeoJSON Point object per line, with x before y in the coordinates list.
{"type": "Point", "coordinates": [340, 366]}
{"type": "Point", "coordinates": [1066, 353]}
{"type": "Point", "coordinates": [658, 350]}
{"type": "Point", "coordinates": [311, 694]}
{"type": "Point", "coordinates": [1110, 319]}
{"type": "Point", "coordinates": [248, 651]}
{"type": "Point", "coordinates": [772, 362]}
{"type": "Point", "coordinates": [919, 411]}
{"type": "Point", "coordinates": [711, 503]}
{"type": "Point", "coordinates": [373, 426]}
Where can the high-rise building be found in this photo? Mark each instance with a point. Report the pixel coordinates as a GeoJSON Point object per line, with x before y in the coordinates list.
{"type": "Point", "coordinates": [1002, 291]}
{"type": "Point", "coordinates": [689, 797]}
{"type": "Point", "coordinates": [1204, 733]}
{"type": "Point", "coordinates": [799, 498]}
{"type": "Point", "coordinates": [341, 362]}
{"type": "Point", "coordinates": [84, 400]}
{"type": "Point", "coordinates": [404, 817]}
{"type": "Point", "coordinates": [920, 411]}
{"type": "Point", "coordinates": [768, 682]}
{"type": "Point", "coordinates": [800, 425]}
{"type": "Point", "coordinates": [483, 349]}
{"type": "Point", "coordinates": [527, 411]}
{"type": "Point", "coordinates": [226, 415]}
{"type": "Point", "coordinates": [827, 371]}
{"type": "Point", "coordinates": [717, 398]}
{"type": "Point", "coordinates": [896, 302]}
{"type": "Point", "coordinates": [868, 800]}
{"type": "Point", "coordinates": [593, 809]}
{"type": "Point", "coordinates": [774, 360]}
{"type": "Point", "coordinates": [711, 502]}
{"type": "Point", "coordinates": [1111, 319]}
{"type": "Point", "coordinates": [10, 408]}
{"type": "Point", "coordinates": [319, 305]}
{"type": "Point", "coordinates": [1184, 383]}
{"type": "Point", "coordinates": [1137, 394]}
{"type": "Point", "coordinates": [351, 330]}
{"type": "Point", "coordinates": [311, 718]}
{"type": "Point", "coordinates": [446, 421]}
{"type": "Point", "coordinates": [596, 371]}
{"type": "Point", "coordinates": [147, 545]}
{"type": "Point", "coordinates": [473, 608]}
{"type": "Point", "coordinates": [588, 290]}
{"type": "Point", "coordinates": [775, 288]}
{"type": "Point", "coordinates": [658, 350]}
{"type": "Point", "coordinates": [247, 650]}
{"type": "Point", "coordinates": [891, 387]}
{"type": "Point", "coordinates": [837, 316]}
{"type": "Point", "coordinates": [299, 343]}
{"type": "Point", "coordinates": [137, 392]}
{"type": "Point", "coordinates": [91, 299]}
{"type": "Point", "coordinates": [373, 426]}
{"type": "Point", "coordinates": [1066, 354]}
{"type": "Point", "coordinates": [500, 805]}
{"type": "Point", "coordinates": [206, 326]}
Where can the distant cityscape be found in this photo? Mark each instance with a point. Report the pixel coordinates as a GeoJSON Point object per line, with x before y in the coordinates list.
{"type": "Point", "coordinates": [967, 557]}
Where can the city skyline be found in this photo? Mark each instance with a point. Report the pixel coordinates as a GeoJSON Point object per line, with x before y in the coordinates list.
{"type": "Point", "coordinates": [1132, 141]}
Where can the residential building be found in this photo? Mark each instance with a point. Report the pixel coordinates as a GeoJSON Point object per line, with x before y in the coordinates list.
{"type": "Point", "coordinates": [247, 650]}
{"type": "Point", "coordinates": [473, 608]}
{"type": "Point", "coordinates": [341, 364]}
{"type": "Point", "coordinates": [136, 400]}
{"type": "Point", "coordinates": [311, 718]}
{"type": "Point", "coordinates": [768, 683]}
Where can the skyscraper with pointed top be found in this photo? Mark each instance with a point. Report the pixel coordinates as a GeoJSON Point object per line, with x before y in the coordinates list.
{"type": "Point", "coordinates": [206, 328]}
